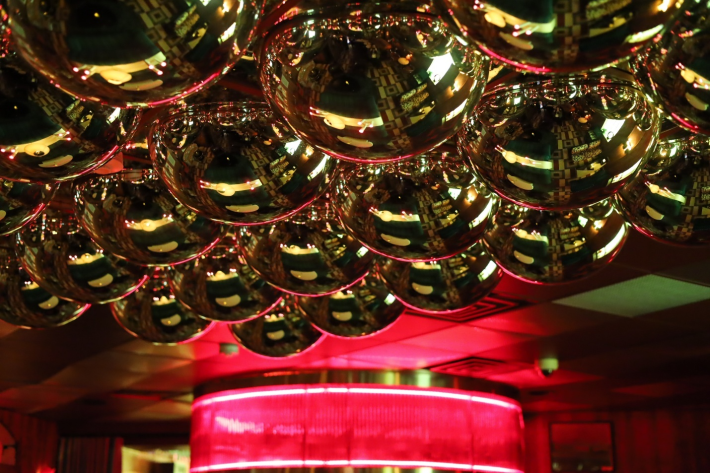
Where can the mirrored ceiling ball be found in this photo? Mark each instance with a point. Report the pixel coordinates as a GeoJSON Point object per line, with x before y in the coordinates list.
{"type": "Point", "coordinates": [220, 286]}
{"type": "Point", "coordinates": [363, 309]}
{"type": "Point", "coordinates": [675, 69]}
{"type": "Point", "coordinates": [61, 258]}
{"type": "Point", "coordinates": [309, 254]}
{"type": "Point", "coordinates": [671, 204]}
{"type": "Point", "coordinates": [128, 53]}
{"type": "Point", "coordinates": [153, 314]}
{"type": "Point", "coordinates": [132, 215]}
{"type": "Point", "coordinates": [561, 143]}
{"type": "Point", "coordinates": [422, 209]}
{"type": "Point", "coordinates": [281, 332]}
{"type": "Point", "coordinates": [237, 163]}
{"type": "Point", "coordinates": [549, 36]}
{"type": "Point", "coordinates": [25, 304]}
{"type": "Point", "coordinates": [21, 202]}
{"type": "Point", "coordinates": [557, 247]}
{"type": "Point", "coordinates": [373, 82]}
{"type": "Point", "coordinates": [47, 135]}
{"type": "Point", "coordinates": [444, 286]}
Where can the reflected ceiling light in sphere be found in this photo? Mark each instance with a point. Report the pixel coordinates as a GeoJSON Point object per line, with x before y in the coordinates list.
{"type": "Point", "coordinates": [237, 163]}
{"type": "Point", "coordinates": [21, 202]}
{"type": "Point", "coordinates": [561, 37]}
{"type": "Point", "coordinates": [153, 314]}
{"type": "Point", "coordinates": [25, 304]}
{"type": "Point", "coordinates": [220, 286]}
{"type": "Point", "coordinates": [59, 255]}
{"type": "Point", "coordinates": [132, 215]}
{"type": "Point", "coordinates": [556, 247]}
{"type": "Point", "coordinates": [668, 201]}
{"type": "Point", "coordinates": [374, 82]}
{"type": "Point", "coordinates": [423, 209]}
{"type": "Point", "coordinates": [445, 286]}
{"type": "Point", "coordinates": [132, 54]}
{"type": "Point", "coordinates": [561, 143]}
{"type": "Point", "coordinates": [363, 309]}
{"type": "Point", "coordinates": [47, 135]}
{"type": "Point", "coordinates": [280, 332]}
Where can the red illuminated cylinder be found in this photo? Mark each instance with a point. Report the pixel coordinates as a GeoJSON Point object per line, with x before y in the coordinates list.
{"type": "Point", "coordinates": [338, 425]}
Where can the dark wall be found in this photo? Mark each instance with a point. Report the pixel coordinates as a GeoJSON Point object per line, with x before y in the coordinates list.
{"type": "Point", "coordinates": [37, 442]}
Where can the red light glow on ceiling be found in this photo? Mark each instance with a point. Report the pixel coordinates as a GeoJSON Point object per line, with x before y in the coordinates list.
{"type": "Point", "coordinates": [356, 425]}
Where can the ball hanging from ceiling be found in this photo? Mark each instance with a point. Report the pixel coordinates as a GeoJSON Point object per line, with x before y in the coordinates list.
{"type": "Point", "coordinates": [237, 163]}
{"type": "Point", "coordinates": [670, 201]}
{"type": "Point", "coordinates": [422, 209]}
{"type": "Point", "coordinates": [134, 54]}
{"type": "Point", "coordinates": [363, 309]}
{"type": "Point", "coordinates": [547, 36]}
{"type": "Point", "coordinates": [153, 314]}
{"type": "Point", "coordinates": [132, 215]}
{"type": "Point", "coordinates": [675, 70]}
{"type": "Point", "coordinates": [561, 143]}
{"type": "Point", "coordinates": [281, 332]}
{"type": "Point", "coordinates": [445, 286]}
{"type": "Point", "coordinates": [544, 247]}
{"type": "Point", "coordinates": [21, 202]}
{"type": "Point", "coordinates": [61, 258]}
{"type": "Point", "coordinates": [220, 286]}
{"type": "Point", "coordinates": [309, 254]}
{"type": "Point", "coordinates": [47, 135]}
{"type": "Point", "coordinates": [373, 82]}
{"type": "Point", "coordinates": [25, 304]}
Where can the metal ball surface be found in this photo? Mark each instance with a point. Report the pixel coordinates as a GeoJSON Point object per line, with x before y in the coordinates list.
{"type": "Point", "coordinates": [132, 215]}
{"type": "Point", "coordinates": [309, 254]}
{"type": "Point", "coordinates": [47, 135]}
{"type": "Point", "coordinates": [557, 247]}
{"type": "Point", "coordinates": [25, 304]}
{"type": "Point", "coordinates": [445, 286]}
{"type": "Point", "coordinates": [237, 163]}
{"type": "Point", "coordinates": [136, 54]}
{"type": "Point", "coordinates": [281, 332]}
{"type": "Point", "coordinates": [363, 309]}
{"type": "Point", "coordinates": [59, 255]}
{"type": "Point", "coordinates": [669, 202]}
{"type": "Point", "coordinates": [220, 286]}
{"type": "Point", "coordinates": [561, 143]}
{"type": "Point", "coordinates": [423, 209]}
{"type": "Point", "coordinates": [21, 202]}
{"type": "Point", "coordinates": [560, 36]}
{"type": "Point", "coordinates": [153, 314]}
{"type": "Point", "coordinates": [372, 81]}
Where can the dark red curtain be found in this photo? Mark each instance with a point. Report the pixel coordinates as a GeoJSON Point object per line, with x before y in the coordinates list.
{"type": "Point", "coordinates": [90, 455]}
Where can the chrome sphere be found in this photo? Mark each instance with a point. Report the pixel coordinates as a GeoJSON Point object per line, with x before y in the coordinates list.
{"type": "Point", "coordinates": [21, 202]}
{"type": "Point", "coordinates": [128, 53]}
{"type": "Point", "coordinates": [47, 135]}
{"type": "Point", "coordinates": [62, 259]}
{"type": "Point", "coordinates": [238, 163]}
{"type": "Point", "coordinates": [307, 255]}
{"type": "Point", "coordinates": [370, 81]}
{"type": "Point", "coordinates": [132, 215]}
{"type": "Point", "coordinates": [557, 247]}
{"type": "Point", "coordinates": [561, 143]}
{"type": "Point", "coordinates": [363, 309]}
{"type": "Point", "coordinates": [561, 36]}
{"type": "Point", "coordinates": [25, 304]}
{"type": "Point", "coordinates": [220, 286]}
{"type": "Point", "coordinates": [423, 209]}
{"type": "Point", "coordinates": [445, 286]}
{"type": "Point", "coordinates": [671, 204]}
{"type": "Point", "coordinates": [279, 333]}
{"type": "Point", "coordinates": [153, 314]}
{"type": "Point", "coordinates": [675, 70]}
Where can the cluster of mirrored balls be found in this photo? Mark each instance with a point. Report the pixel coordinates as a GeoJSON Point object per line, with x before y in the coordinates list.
{"type": "Point", "coordinates": [405, 156]}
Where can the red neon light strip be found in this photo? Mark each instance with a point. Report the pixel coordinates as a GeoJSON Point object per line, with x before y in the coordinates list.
{"type": "Point", "coordinates": [352, 463]}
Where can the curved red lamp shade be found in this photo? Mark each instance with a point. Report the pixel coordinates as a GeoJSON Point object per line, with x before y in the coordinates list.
{"type": "Point", "coordinates": [356, 425]}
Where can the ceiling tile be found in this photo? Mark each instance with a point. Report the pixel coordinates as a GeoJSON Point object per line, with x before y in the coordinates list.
{"type": "Point", "coordinates": [659, 390]}
{"type": "Point", "coordinates": [550, 406]}
{"type": "Point", "coordinates": [530, 378]}
{"type": "Point", "coordinates": [196, 350]}
{"type": "Point", "coordinates": [398, 355]}
{"type": "Point", "coordinates": [131, 362]}
{"type": "Point", "coordinates": [95, 380]}
{"type": "Point", "coordinates": [37, 397]}
{"type": "Point", "coordinates": [466, 339]}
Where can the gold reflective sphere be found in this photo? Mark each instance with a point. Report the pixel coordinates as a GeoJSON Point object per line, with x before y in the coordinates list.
{"type": "Point", "coordinates": [21, 202]}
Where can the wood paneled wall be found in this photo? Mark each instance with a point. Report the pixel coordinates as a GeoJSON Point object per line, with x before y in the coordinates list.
{"type": "Point", "coordinates": [37, 442]}
{"type": "Point", "coordinates": [648, 441]}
